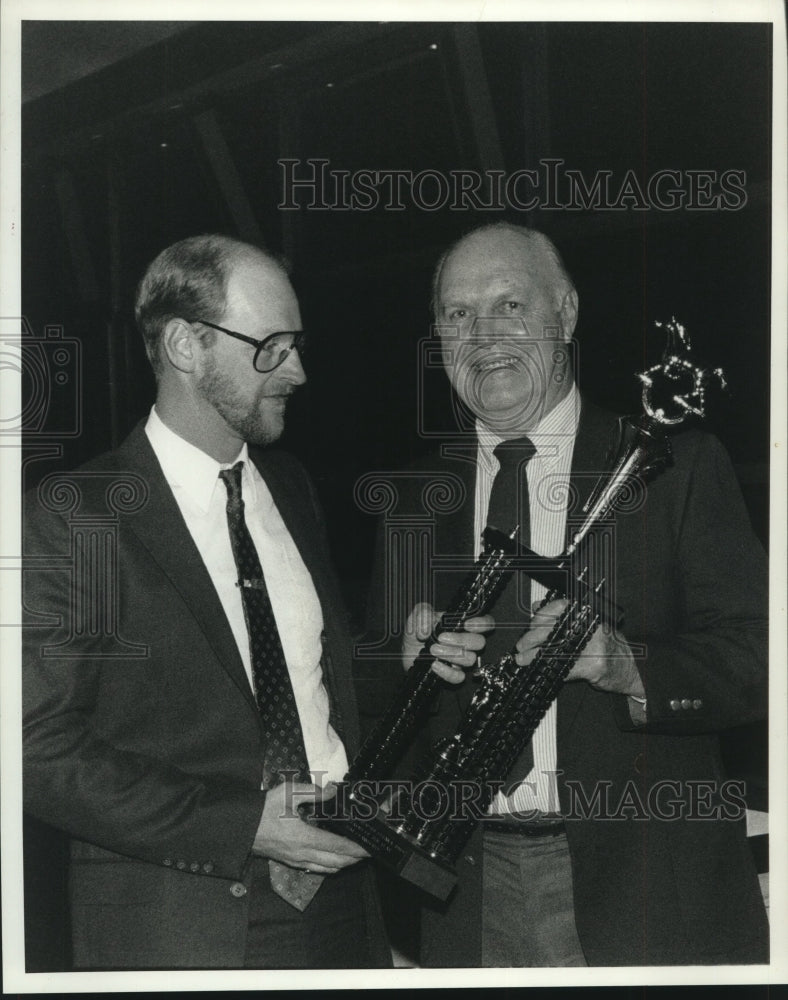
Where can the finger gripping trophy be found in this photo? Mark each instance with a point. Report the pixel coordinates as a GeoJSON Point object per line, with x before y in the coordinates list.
{"type": "Point", "coordinates": [419, 833]}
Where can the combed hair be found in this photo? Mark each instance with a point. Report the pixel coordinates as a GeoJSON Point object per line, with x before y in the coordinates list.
{"type": "Point", "coordinates": [188, 280]}
{"type": "Point", "coordinates": [561, 280]}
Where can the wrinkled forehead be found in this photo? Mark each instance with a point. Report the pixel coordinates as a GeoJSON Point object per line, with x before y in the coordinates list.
{"type": "Point", "coordinates": [488, 260]}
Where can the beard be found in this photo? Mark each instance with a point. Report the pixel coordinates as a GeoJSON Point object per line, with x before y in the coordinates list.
{"type": "Point", "coordinates": [258, 421]}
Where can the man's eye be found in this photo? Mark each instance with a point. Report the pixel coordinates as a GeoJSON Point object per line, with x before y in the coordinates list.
{"type": "Point", "coordinates": [512, 306]}
{"type": "Point", "coordinates": [458, 313]}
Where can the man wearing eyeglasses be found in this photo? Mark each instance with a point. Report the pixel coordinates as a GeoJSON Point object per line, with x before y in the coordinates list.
{"type": "Point", "coordinates": [194, 708]}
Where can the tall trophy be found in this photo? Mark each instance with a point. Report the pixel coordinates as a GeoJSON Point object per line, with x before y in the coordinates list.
{"type": "Point", "coordinates": [417, 831]}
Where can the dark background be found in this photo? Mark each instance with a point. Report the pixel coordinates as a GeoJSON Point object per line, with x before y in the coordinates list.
{"type": "Point", "coordinates": [136, 135]}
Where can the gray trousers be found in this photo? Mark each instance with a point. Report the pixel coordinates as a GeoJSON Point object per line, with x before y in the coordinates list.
{"type": "Point", "coordinates": [528, 915]}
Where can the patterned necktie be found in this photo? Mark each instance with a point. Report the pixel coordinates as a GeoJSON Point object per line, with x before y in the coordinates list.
{"type": "Point", "coordinates": [284, 750]}
{"type": "Point", "coordinates": [510, 506]}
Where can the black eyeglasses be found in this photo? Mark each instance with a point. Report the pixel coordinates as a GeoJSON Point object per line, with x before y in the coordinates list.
{"type": "Point", "coordinates": [270, 352]}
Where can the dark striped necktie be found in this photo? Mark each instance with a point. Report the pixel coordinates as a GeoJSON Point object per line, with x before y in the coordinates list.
{"type": "Point", "coordinates": [509, 507]}
{"type": "Point", "coordinates": [285, 753]}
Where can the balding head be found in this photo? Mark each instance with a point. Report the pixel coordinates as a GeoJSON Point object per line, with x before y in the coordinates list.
{"type": "Point", "coordinates": [532, 247]}
{"type": "Point", "coordinates": [189, 280]}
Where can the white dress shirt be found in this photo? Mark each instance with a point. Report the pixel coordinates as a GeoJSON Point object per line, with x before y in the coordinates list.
{"type": "Point", "coordinates": [193, 477]}
{"type": "Point", "coordinates": [548, 492]}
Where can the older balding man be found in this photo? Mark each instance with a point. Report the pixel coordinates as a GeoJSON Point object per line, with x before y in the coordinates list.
{"type": "Point", "coordinates": [617, 840]}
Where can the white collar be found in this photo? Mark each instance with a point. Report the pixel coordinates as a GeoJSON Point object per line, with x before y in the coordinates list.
{"type": "Point", "coordinates": [191, 470]}
{"type": "Point", "coordinates": [555, 431]}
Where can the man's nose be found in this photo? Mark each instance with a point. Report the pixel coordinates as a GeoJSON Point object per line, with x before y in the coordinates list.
{"type": "Point", "coordinates": [292, 369]}
{"type": "Point", "coordinates": [493, 328]}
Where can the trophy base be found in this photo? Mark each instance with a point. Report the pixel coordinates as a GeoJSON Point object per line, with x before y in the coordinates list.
{"type": "Point", "coordinates": [396, 852]}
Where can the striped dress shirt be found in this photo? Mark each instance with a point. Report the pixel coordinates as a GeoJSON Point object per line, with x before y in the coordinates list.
{"type": "Point", "coordinates": [548, 491]}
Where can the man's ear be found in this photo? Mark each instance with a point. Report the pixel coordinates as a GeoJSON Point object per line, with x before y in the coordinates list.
{"type": "Point", "coordinates": [178, 344]}
{"type": "Point", "coordinates": [568, 312]}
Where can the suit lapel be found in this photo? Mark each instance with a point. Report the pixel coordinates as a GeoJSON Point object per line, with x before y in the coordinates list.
{"type": "Point", "coordinates": [595, 434]}
{"type": "Point", "coordinates": [161, 529]}
{"type": "Point", "coordinates": [455, 530]}
{"type": "Point", "coordinates": [589, 459]}
{"type": "Point", "coordinates": [454, 533]}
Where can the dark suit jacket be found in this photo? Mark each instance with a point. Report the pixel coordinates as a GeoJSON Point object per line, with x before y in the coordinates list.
{"type": "Point", "coordinates": [150, 756]}
{"type": "Point", "coordinates": [689, 577]}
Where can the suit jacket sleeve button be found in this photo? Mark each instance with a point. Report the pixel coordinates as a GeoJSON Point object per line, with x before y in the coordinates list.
{"type": "Point", "coordinates": [208, 867]}
{"type": "Point", "coordinates": [238, 889]}
{"type": "Point", "coordinates": [675, 705]}
{"type": "Point", "coordinates": [194, 866]}
{"type": "Point", "coordinates": [181, 865]}
{"type": "Point", "coordinates": [685, 703]}
{"type": "Point", "coordinates": [167, 862]}
{"type": "Point", "coordinates": [697, 703]}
